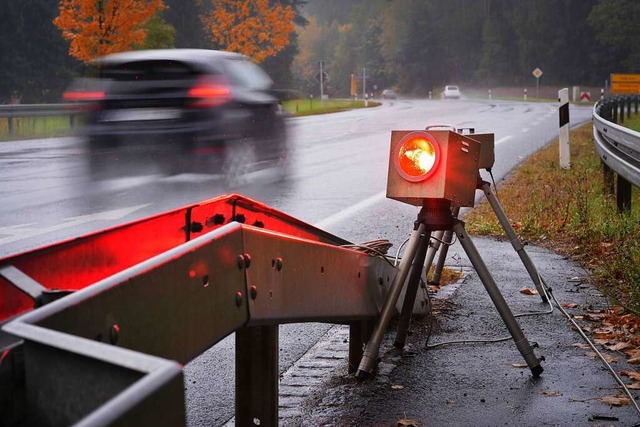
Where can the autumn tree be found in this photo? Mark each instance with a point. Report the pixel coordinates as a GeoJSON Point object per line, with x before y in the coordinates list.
{"type": "Point", "coordinates": [100, 27]}
{"type": "Point", "coordinates": [251, 27]}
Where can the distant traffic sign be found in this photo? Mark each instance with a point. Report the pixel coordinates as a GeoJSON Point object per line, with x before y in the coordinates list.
{"type": "Point", "coordinates": [585, 96]}
{"type": "Point", "coordinates": [325, 77]}
{"type": "Point", "coordinates": [625, 84]}
{"type": "Point", "coordinates": [537, 73]}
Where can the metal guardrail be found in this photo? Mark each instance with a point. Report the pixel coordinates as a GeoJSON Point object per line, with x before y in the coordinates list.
{"type": "Point", "coordinates": [11, 112]}
{"type": "Point", "coordinates": [617, 146]}
{"type": "Point", "coordinates": [131, 304]}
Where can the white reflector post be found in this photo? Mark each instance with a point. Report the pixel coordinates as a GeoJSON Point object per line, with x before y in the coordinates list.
{"type": "Point", "coordinates": [565, 155]}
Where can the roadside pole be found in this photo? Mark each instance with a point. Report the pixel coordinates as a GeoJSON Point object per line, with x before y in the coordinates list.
{"type": "Point", "coordinates": [321, 82]}
{"type": "Point", "coordinates": [565, 155]}
{"type": "Point", "coordinates": [364, 86]}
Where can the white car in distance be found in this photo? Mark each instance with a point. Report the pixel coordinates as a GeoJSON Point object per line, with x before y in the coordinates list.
{"type": "Point", "coordinates": [451, 92]}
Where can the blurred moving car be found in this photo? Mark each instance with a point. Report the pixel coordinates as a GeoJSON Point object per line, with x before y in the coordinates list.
{"type": "Point", "coordinates": [451, 92]}
{"type": "Point", "coordinates": [389, 94]}
{"type": "Point", "coordinates": [185, 101]}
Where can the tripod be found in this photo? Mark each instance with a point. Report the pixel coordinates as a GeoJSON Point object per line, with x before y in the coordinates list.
{"type": "Point", "coordinates": [436, 216]}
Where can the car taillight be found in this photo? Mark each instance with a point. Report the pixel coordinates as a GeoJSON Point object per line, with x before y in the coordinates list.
{"type": "Point", "coordinates": [83, 100]}
{"type": "Point", "coordinates": [209, 93]}
{"type": "Point", "coordinates": [83, 96]}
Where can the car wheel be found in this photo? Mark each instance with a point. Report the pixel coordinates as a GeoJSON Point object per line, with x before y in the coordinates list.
{"type": "Point", "coordinates": [239, 162]}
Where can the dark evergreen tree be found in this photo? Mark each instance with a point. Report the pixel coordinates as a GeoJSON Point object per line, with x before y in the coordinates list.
{"type": "Point", "coordinates": [34, 63]}
{"type": "Point", "coordinates": [615, 23]}
{"type": "Point", "coordinates": [184, 16]}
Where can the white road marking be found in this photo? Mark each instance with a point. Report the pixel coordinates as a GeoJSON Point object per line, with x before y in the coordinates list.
{"type": "Point", "coordinates": [503, 139]}
{"type": "Point", "coordinates": [351, 210]}
{"type": "Point", "coordinates": [16, 233]}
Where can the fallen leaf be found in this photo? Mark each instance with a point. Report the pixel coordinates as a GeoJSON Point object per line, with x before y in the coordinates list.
{"type": "Point", "coordinates": [571, 305]}
{"type": "Point", "coordinates": [631, 374]}
{"type": "Point", "coordinates": [406, 422]}
{"type": "Point", "coordinates": [632, 353]}
{"type": "Point", "coordinates": [397, 387]}
{"type": "Point", "coordinates": [618, 346]}
{"type": "Point", "coordinates": [450, 402]}
{"type": "Point", "coordinates": [519, 365]}
{"type": "Point", "coordinates": [581, 345]}
{"type": "Point", "coordinates": [634, 360]}
{"type": "Point", "coordinates": [615, 400]}
{"type": "Point", "coordinates": [551, 393]}
{"type": "Point", "coordinates": [634, 386]}
{"type": "Point", "coordinates": [527, 291]}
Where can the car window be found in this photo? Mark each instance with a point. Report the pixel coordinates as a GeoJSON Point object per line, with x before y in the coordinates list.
{"type": "Point", "coordinates": [147, 70]}
{"type": "Point", "coordinates": [244, 73]}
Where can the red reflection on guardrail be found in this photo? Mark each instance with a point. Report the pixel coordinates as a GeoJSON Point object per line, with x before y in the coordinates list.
{"type": "Point", "coordinates": [77, 263]}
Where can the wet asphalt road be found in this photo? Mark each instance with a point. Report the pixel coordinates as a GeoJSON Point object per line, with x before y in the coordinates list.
{"type": "Point", "coordinates": [337, 182]}
{"type": "Point", "coordinates": [483, 384]}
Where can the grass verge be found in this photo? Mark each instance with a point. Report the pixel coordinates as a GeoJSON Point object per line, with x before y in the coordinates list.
{"type": "Point", "coordinates": [34, 127]}
{"type": "Point", "coordinates": [568, 211]}
{"type": "Point", "coordinates": [633, 122]}
{"type": "Point", "coordinates": [306, 107]}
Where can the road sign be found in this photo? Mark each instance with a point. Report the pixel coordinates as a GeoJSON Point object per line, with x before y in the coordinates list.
{"type": "Point", "coordinates": [537, 73]}
{"type": "Point", "coordinates": [585, 96]}
{"type": "Point", "coordinates": [325, 77]}
{"type": "Point", "coordinates": [625, 84]}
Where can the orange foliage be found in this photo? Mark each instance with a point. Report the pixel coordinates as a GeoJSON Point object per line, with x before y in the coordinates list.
{"type": "Point", "coordinates": [250, 27]}
{"type": "Point", "coordinates": [100, 27]}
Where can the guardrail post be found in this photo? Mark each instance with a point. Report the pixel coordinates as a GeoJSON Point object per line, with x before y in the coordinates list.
{"type": "Point", "coordinates": [10, 125]}
{"type": "Point", "coordinates": [609, 183]}
{"type": "Point", "coordinates": [257, 376]}
{"type": "Point", "coordinates": [623, 195]}
{"type": "Point", "coordinates": [359, 334]}
{"type": "Point", "coordinates": [628, 102]}
{"type": "Point", "coordinates": [609, 110]}
{"type": "Point", "coordinates": [635, 98]}
{"type": "Point", "coordinates": [620, 104]}
{"type": "Point", "coordinates": [606, 107]}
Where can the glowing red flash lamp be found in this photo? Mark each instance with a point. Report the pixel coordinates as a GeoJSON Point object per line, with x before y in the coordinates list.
{"type": "Point", "coordinates": [417, 156]}
{"type": "Point", "coordinates": [433, 164]}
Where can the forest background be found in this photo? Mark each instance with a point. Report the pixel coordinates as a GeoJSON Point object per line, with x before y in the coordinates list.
{"type": "Point", "coordinates": [414, 46]}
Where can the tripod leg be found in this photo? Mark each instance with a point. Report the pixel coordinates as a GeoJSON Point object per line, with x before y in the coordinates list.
{"type": "Point", "coordinates": [515, 240]}
{"type": "Point", "coordinates": [370, 356]}
{"type": "Point", "coordinates": [433, 248]}
{"type": "Point", "coordinates": [498, 300]}
{"type": "Point", "coordinates": [412, 288]}
{"type": "Point", "coordinates": [447, 238]}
